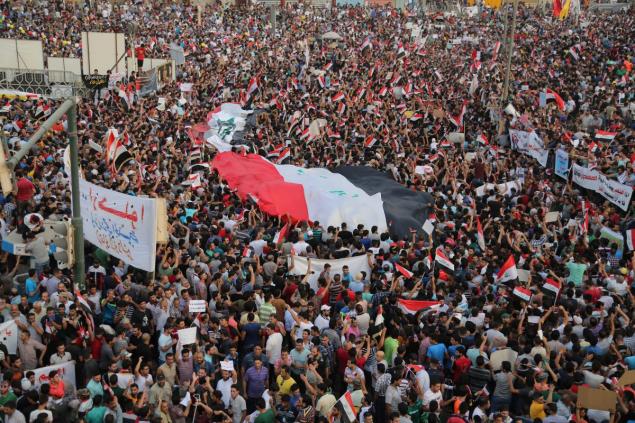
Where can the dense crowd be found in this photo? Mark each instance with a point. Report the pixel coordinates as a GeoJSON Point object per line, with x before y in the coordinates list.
{"type": "Point", "coordinates": [269, 348]}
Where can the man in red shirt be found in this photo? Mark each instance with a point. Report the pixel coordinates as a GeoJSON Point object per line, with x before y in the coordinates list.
{"type": "Point", "coordinates": [140, 53]}
{"type": "Point", "coordinates": [461, 364]}
{"type": "Point", "coordinates": [26, 189]}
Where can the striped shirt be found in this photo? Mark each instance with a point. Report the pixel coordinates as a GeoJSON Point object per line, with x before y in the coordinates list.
{"type": "Point", "coordinates": [266, 310]}
{"type": "Point", "coordinates": [382, 384]}
{"type": "Point", "coordinates": [334, 291]}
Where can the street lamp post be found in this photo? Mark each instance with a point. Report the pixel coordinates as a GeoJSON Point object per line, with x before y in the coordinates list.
{"type": "Point", "coordinates": [69, 107]}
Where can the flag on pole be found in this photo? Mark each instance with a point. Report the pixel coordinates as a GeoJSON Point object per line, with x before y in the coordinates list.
{"type": "Point", "coordinates": [284, 155]}
{"type": "Point", "coordinates": [551, 287]}
{"type": "Point", "coordinates": [443, 260]}
{"type": "Point", "coordinates": [507, 271]}
{"type": "Point", "coordinates": [365, 44]}
{"type": "Point", "coordinates": [405, 272]}
{"type": "Point", "coordinates": [630, 239]}
{"type": "Point", "coordinates": [480, 237]}
{"type": "Point", "coordinates": [369, 141]}
{"type": "Point", "coordinates": [341, 108]}
{"type": "Point", "coordinates": [415, 306]}
{"type": "Point", "coordinates": [253, 86]}
{"type": "Point", "coordinates": [557, 8]}
{"type": "Point", "coordinates": [281, 234]}
{"type": "Point", "coordinates": [458, 119]}
{"type": "Point", "coordinates": [346, 408]}
{"type": "Point", "coordinates": [605, 135]}
{"type": "Point", "coordinates": [338, 97]}
{"type": "Point", "coordinates": [552, 95]}
{"type": "Point", "coordinates": [482, 139]}
{"type": "Point", "coordinates": [322, 81]}
{"type": "Point", "coordinates": [564, 12]}
{"type": "Point", "coordinates": [522, 293]}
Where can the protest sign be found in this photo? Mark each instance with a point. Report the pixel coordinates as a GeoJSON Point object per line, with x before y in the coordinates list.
{"type": "Point", "coordinates": [355, 265]}
{"type": "Point", "coordinates": [552, 217]}
{"type": "Point", "coordinates": [628, 378]}
{"type": "Point", "coordinates": [562, 164]}
{"type": "Point", "coordinates": [197, 306]}
{"type": "Point", "coordinates": [428, 227]}
{"type": "Point", "coordinates": [497, 358]}
{"type": "Point", "coordinates": [530, 144]}
{"type": "Point", "coordinates": [122, 225]}
{"type": "Point", "coordinates": [187, 336]}
{"type": "Point", "coordinates": [227, 365]}
{"type": "Point", "coordinates": [523, 275]}
{"type": "Point", "coordinates": [596, 399]}
{"type": "Point", "coordinates": [95, 82]}
{"type": "Point", "coordinates": [585, 177]}
{"type": "Point", "coordinates": [617, 193]}
{"type": "Point", "coordinates": [65, 370]}
{"type": "Point", "coordinates": [613, 237]}
{"type": "Point", "coordinates": [9, 336]}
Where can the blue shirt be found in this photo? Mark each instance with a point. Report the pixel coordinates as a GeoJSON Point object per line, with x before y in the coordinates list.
{"type": "Point", "coordinates": [31, 286]}
{"type": "Point", "coordinates": [437, 351]}
{"type": "Point", "coordinates": [256, 381]}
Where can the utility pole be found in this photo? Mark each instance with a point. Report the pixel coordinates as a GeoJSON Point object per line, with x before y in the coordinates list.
{"type": "Point", "coordinates": [69, 107]}
{"type": "Point", "coordinates": [510, 53]}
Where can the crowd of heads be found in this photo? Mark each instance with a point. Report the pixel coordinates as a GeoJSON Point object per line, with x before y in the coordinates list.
{"type": "Point", "coordinates": [273, 346]}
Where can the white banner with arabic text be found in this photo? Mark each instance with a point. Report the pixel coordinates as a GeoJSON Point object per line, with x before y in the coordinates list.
{"type": "Point", "coordinates": [529, 143]}
{"type": "Point", "coordinates": [122, 225]}
{"type": "Point", "coordinates": [65, 370]}
{"type": "Point", "coordinates": [617, 193]}
{"type": "Point", "coordinates": [585, 177]}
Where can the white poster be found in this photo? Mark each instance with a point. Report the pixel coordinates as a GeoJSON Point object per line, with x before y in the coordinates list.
{"type": "Point", "coordinates": [585, 177]}
{"type": "Point", "coordinates": [122, 225]}
{"type": "Point", "coordinates": [187, 336]}
{"type": "Point", "coordinates": [197, 306]}
{"type": "Point", "coordinates": [529, 143]}
{"type": "Point", "coordinates": [562, 164]}
{"type": "Point", "coordinates": [617, 193]}
{"type": "Point", "coordinates": [65, 370]}
{"type": "Point", "coordinates": [355, 265]}
{"type": "Point", "coordinates": [9, 336]}
{"type": "Point", "coordinates": [503, 189]}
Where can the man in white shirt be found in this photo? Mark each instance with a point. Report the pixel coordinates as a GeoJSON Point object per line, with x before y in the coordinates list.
{"type": "Point", "coordinates": [258, 245]}
{"type": "Point", "coordinates": [273, 347]}
{"type": "Point", "coordinates": [322, 321]}
{"type": "Point", "coordinates": [237, 405]}
{"type": "Point", "coordinates": [224, 385]}
{"type": "Point", "coordinates": [432, 394]}
{"type": "Point", "coordinates": [61, 356]}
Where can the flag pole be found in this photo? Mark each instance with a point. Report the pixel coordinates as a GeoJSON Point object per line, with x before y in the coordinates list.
{"type": "Point", "coordinates": [510, 53]}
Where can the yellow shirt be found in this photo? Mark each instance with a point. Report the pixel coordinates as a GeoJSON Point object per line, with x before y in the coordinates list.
{"type": "Point", "coordinates": [285, 385]}
{"type": "Point", "coordinates": [537, 410]}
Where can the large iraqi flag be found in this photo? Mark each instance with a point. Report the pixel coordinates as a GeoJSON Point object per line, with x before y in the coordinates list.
{"type": "Point", "coordinates": [351, 195]}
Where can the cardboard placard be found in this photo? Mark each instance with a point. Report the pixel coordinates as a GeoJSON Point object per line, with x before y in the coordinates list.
{"type": "Point", "coordinates": [596, 399]}
{"type": "Point", "coordinates": [627, 378]}
{"type": "Point", "coordinates": [523, 275]}
{"type": "Point", "coordinates": [552, 217]}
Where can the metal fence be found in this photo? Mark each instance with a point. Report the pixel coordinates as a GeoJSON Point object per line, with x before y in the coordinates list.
{"type": "Point", "coordinates": [49, 83]}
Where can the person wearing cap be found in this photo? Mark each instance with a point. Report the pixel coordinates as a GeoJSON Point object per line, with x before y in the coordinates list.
{"type": "Point", "coordinates": [322, 321]}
